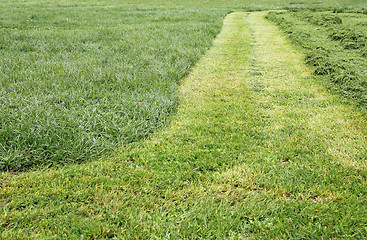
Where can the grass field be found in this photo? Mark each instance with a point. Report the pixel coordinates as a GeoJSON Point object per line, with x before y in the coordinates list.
{"type": "Point", "coordinates": [253, 146]}
{"type": "Point", "coordinates": [257, 149]}
{"type": "Point", "coordinates": [81, 78]}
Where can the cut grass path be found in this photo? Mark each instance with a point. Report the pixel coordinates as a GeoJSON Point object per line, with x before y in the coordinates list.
{"type": "Point", "coordinates": [257, 149]}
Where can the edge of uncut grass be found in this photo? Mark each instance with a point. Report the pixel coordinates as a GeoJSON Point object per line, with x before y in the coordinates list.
{"type": "Point", "coordinates": [74, 90]}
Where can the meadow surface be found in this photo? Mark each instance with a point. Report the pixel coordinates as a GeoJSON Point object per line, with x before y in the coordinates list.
{"type": "Point", "coordinates": [255, 143]}
{"type": "Point", "coordinates": [258, 149]}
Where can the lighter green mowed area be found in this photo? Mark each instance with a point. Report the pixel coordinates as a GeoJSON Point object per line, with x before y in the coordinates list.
{"type": "Point", "coordinates": [257, 149]}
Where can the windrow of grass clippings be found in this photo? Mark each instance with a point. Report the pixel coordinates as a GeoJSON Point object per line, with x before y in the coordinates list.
{"type": "Point", "coordinates": [335, 45]}
{"type": "Point", "coordinates": [77, 80]}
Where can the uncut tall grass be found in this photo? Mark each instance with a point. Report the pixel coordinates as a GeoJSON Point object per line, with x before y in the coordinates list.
{"type": "Point", "coordinates": [77, 81]}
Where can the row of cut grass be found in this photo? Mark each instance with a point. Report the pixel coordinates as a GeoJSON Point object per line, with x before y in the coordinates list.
{"type": "Point", "coordinates": [335, 45]}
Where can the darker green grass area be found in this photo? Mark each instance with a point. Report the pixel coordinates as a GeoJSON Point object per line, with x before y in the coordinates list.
{"type": "Point", "coordinates": [77, 81]}
{"type": "Point", "coordinates": [335, 44]}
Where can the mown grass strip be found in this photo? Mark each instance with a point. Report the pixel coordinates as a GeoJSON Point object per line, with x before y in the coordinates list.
{"type": "Point", "coordinates": [257, 150]}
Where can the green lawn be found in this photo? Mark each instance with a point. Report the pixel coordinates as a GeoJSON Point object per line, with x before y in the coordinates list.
{"type": "Point", "coordinates": [116, 121]}
{"type": "Point", "coordinates": [258, 148]}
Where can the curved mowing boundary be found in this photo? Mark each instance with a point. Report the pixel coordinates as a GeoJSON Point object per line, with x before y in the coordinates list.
{"type": "Point", "coordinates": [80, 81]}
